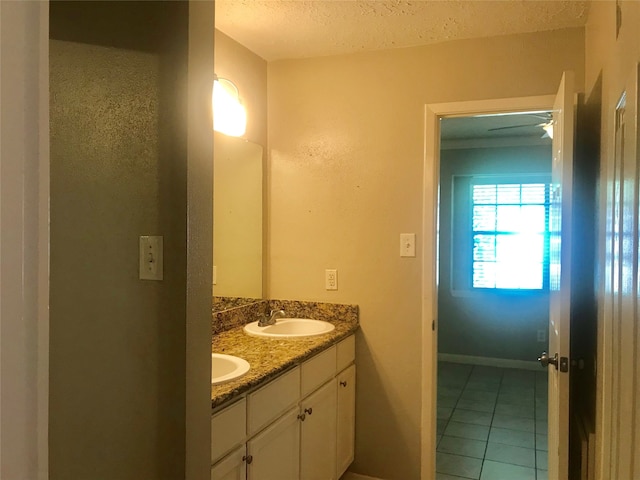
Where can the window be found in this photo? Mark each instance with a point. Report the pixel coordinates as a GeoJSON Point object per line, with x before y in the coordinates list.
{"type": "Point", "coordinates": [510, 235]}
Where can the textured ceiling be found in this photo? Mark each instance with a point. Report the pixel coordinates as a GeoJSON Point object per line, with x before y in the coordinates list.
{"type": "Point", "coordinates": [281, 29]}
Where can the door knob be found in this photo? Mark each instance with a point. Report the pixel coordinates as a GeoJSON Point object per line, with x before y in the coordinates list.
{"type": "Point", "coordinates": [545, 360]}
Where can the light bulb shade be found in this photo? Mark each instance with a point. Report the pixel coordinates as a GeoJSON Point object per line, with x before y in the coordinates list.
{"type": "Point", "coordinates": [229, 116]}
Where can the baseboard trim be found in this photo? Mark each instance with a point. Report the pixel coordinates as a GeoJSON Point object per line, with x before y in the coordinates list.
{"type": "Point", "coordinates": [488, 361]}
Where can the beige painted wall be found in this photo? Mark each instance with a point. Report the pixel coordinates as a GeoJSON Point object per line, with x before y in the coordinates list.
{"type": "Point", "coordinates": [346, 140]}
{"type": "Point", "coordinates": [610, 62]}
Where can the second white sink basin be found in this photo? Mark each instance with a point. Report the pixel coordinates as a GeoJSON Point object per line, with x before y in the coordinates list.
{"type": "Point", "coordinates": [290, 328]}
{"type": "Point", "coordinates": [225, 368]}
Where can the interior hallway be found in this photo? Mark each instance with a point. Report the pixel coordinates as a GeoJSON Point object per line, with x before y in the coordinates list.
{"type": "Point", "coordinates": [492, 423]}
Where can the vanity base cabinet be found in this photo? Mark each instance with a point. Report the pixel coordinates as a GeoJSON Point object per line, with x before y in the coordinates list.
{"type": "Point", "coordinates": [346, 416]}
{"type": "Point", "coordinates": [275, 453]}
{"type": "Point", "coordinates": [299, 426]}
{"type": "Point", "coordinates": [232, 467]}
{"type": "Point", "coordinates": [318, 434]}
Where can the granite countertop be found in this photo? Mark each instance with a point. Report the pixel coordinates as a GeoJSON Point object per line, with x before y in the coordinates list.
{"type": "Point", "coordinates": [269, 357]}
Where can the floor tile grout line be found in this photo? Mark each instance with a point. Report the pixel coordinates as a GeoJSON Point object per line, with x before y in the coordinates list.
{"type": "Point", "coordinates": [457, 401]}
{"type": "Point", "coordinates": [495, 406]}
{"type": "Point", "coordinates": [535, 416]}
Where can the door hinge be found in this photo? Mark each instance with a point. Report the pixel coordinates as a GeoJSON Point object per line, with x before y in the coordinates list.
{"type": "Point", "coordinates": [433, 325]}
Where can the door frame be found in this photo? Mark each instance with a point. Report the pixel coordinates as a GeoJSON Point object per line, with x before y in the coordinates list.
{"type": "Point", "coordinates": [24, 239]}
{"type": "Point", "coordinates": [431, 188]}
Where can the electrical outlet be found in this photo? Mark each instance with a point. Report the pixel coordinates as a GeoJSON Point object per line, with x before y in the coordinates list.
{"type": "Point", "coordinates": [331, 279]}
{"type": "Point", "coordinates": [542, 335]}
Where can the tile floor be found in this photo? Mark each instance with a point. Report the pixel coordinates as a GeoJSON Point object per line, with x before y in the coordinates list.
{"type": "Point", "coordinates": [492, 423]}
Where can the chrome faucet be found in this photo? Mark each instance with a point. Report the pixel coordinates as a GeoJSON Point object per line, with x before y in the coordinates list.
{"type": "Point", "coordinates": [270, 318]}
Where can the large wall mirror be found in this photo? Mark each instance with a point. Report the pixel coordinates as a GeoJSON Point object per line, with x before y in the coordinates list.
{"type": "Point", "coordinates": [237, 221]}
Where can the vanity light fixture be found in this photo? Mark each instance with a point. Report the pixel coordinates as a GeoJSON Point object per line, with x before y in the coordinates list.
{"type": "Point", "coordinates": [229, 116]}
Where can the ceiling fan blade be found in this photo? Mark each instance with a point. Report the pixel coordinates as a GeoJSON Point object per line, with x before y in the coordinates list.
{"type": "Point", "coordinates": [515, 126]}
{"type": "Point", "coordinates": [546, 117]}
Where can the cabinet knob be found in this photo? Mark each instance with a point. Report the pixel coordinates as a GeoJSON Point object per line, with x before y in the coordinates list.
{"type": "Point", "coordinates": [248, 459]}
{"type": "Point", "coordinates": [343, 384]}
{"type": "Point", "coordinates": [301, 417]}
{"type": "Point", "coordinates": [308, 410]}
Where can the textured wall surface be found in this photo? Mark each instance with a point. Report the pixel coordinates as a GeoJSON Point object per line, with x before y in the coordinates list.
{"type": "Point", "coordinates": [131, 148]}
{"type": "Point", "coordinates": [346, 156]}
{"type": "Point", "coordinates": [104, 193]}
{"type": "Point", "coordinates": [117, 402]}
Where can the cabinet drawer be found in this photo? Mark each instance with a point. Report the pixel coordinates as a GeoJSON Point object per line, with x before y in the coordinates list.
{"type": "Point", "coordinates": [266, 403]}
{"type": "Point", "coordinates": [318, 370]}
{"type": "Point", "coordinates": [228, 428]}
{"type": "Point", "coordinates": [346, 352]}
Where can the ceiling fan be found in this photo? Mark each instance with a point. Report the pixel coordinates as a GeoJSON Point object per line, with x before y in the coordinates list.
{"type": "Point", "coordinates": [546, 125]}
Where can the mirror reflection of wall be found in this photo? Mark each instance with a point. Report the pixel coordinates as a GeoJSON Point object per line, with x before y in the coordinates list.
{"type": "Point", "coordinates": [237, 218]}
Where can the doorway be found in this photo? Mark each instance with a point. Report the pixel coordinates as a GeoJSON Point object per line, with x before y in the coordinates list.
{"type": "Point", "coordinates": [476, 370]}
{"type": "Point", "coordinates": [493, 295]}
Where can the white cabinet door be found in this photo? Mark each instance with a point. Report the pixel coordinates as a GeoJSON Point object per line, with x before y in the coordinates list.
{"type": "Point", "coordinates": [275, 452]}
{"type": "Point", "coordinates": [232, 467]}
{"type": "Point", "coordinates": [318, 434]}
{"type": "Point", "coordinates": [346, 426]}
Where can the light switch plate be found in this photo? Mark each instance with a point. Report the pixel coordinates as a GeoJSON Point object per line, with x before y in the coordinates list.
{"type": "Point", "coordinates": [151, 261]}
{"type": "Point", "coordinates": [407, 244]}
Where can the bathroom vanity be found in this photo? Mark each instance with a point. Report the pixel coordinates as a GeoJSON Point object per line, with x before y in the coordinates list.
{"type": "Point", "coordinates": [292, 416]}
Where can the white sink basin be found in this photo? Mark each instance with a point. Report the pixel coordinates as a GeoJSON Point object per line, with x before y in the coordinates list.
{"type": "Point", "coordinates": [290, 328]}
{"type": "Point", "coordinates": [225, 368]}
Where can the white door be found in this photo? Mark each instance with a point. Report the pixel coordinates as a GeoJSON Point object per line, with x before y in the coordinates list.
{"type": "Point", "coordinates": [558, 359]}
{"type": "Point", "coordinates": [619, 344]}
